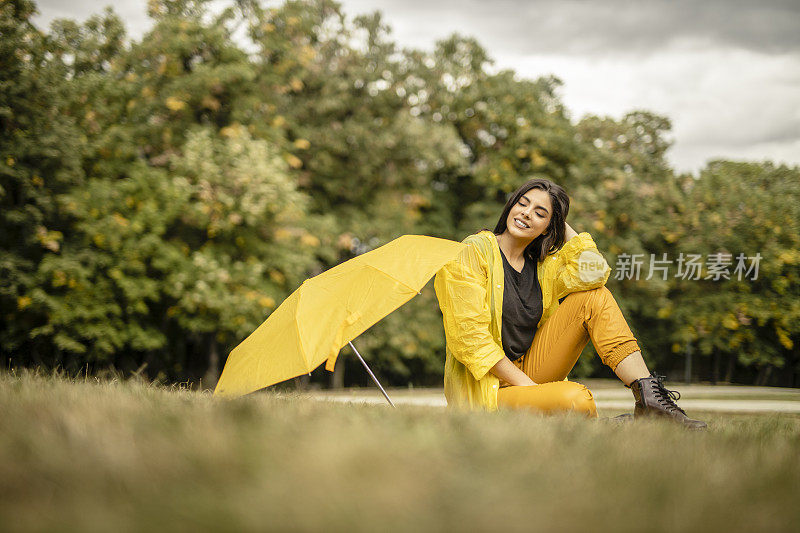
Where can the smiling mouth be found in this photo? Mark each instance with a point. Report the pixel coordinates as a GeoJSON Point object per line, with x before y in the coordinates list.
{"type": "Point", "coordinates": [521, 224]}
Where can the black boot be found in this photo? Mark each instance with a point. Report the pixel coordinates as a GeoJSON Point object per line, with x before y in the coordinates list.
{"type": "Point", "coordinates": [653, 399]}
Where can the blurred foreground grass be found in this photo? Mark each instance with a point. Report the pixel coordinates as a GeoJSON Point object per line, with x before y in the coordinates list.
{"type": "Point", "coordinates": [94, 455]}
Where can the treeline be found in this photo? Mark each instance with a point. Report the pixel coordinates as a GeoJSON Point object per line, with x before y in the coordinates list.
{"type": "Point", "coordinates": [159, 198]}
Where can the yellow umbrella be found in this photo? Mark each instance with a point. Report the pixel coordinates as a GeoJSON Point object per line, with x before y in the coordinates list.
{"type": "Point", "coordinates": [329, 310]}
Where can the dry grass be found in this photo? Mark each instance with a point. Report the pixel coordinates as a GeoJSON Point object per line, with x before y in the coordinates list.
{"type": "Point", "coordinates": [83, 455]}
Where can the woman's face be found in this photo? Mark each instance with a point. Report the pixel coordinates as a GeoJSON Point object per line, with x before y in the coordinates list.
{"type": "Point", "coordinates": [530, 216]}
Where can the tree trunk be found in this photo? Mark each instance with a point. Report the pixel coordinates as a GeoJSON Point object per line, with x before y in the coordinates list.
{"type": "Point", "coordinates": [337, 376]}
{"type": "Point", "coordinates": [715, 368]}
{"type": "Point", "coordinates": [789, 374]}
{"type": "Point", "coordinates": [763, 375]}
{"type": "Point", "coordinates": [211, 376]}
{"type": "Point", "coordinates": [731, 365]}
{"type": "Point", "coordinates": [768, 374]}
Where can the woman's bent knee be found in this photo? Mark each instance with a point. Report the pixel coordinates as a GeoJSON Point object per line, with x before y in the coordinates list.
{"type": "Point", "coordinates": [583, 402]}
{"type": "Point", "coordinates": [579, 399]}
{"type": "Point", "coordinates": [553, 397]}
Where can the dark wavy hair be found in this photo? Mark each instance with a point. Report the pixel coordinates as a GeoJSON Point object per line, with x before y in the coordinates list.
{"type": "Point", "coordinates": [553, 238]}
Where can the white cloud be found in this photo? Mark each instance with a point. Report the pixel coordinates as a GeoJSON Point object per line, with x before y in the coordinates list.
{"type": "Point", "coordinates": [722, 102]}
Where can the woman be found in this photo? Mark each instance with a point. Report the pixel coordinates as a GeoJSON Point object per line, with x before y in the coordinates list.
{"type": "Point", "coordinates": [519, 305]}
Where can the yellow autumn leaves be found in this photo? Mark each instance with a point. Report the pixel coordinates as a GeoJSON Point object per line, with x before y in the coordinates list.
{"type": "Point", "coordinates": [174, 104]}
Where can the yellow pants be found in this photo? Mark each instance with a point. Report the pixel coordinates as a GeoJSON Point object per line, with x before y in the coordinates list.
{"type": "Point", "coordinates": [582, 316]}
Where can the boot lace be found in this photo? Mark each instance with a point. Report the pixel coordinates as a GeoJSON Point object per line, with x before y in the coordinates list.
{"type": "Point", "coordinates": [665, 396]}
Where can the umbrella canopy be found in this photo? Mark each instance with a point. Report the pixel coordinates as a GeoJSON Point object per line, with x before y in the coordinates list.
{"type": "Point", "coordinates": [329, 310]}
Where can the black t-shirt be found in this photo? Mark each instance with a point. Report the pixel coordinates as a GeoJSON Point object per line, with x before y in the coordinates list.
{"type": "Point", "coordinates": [522, 308]}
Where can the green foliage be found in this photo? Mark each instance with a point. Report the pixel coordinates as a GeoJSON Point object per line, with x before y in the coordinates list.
{"type": "Point", "coordinates": [749, 209]}
{"type": "Point", "coordinates": [40, 158]}
{"type": "Point", "coordinates": [200, 249]}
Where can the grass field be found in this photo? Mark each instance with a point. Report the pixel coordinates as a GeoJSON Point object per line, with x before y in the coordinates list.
{"type": "Point", "coordinates": [88, 455]}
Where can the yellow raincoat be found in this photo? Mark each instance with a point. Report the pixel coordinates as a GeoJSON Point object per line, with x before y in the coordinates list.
{"type": "Point", "coordinates": [470, 294]}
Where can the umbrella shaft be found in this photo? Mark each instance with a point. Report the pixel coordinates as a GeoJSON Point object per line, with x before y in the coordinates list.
{"type": "Point", "coordinates": [371, 374]}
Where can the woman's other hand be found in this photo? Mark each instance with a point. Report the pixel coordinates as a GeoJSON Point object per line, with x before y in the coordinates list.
{"type": "Point", "coordinates": [508, 372]}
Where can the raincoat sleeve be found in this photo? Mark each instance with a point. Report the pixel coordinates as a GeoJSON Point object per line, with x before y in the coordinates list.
{"type": "Point", "coordinates": [461, 288]}
{"type": "Point", "coordinates": [579, 266]}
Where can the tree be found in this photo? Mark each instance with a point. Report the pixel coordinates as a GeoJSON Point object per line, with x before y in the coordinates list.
{"type": "Point", "coordinates": [164, 267]}
{"type": "Point", "coordinates": [40, 158]}
{"type": "Point", "coordinates": [750, 319]}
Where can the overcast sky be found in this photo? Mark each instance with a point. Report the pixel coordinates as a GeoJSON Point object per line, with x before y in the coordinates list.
{"type": "Point", "coordinates": [726, 72]}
